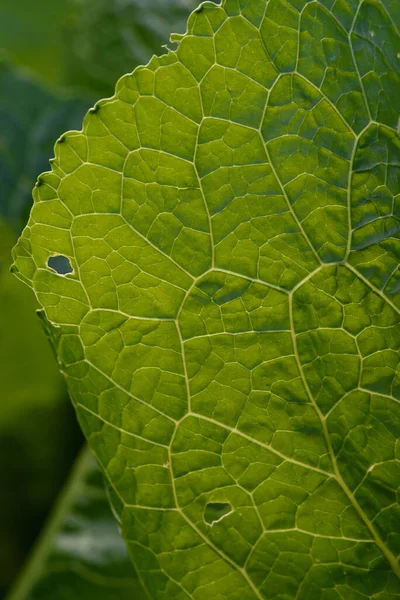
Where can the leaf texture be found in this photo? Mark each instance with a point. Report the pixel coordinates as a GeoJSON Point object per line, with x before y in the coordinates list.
{"type": "Point", "coordinates": [229, 330]}
{"type": "Point", "coordinates": [81, 553]}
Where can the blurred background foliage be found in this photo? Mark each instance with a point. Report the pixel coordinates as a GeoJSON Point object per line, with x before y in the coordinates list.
{"type": "Point", "coordinates": [87, 45]}
{"type": "Point", "coordinates": [56, 59]}
{"type": "Point", "coordinates": [80, 554]}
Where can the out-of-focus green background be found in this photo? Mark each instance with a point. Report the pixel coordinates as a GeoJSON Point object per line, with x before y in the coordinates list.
{"type": "Point", "coordinates": [57, 57]}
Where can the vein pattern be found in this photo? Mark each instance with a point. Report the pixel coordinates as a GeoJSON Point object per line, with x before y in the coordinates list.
{"type": "Point", "coordinates": [230, 330]}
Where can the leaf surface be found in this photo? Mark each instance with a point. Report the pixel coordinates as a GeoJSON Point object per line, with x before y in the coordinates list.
{"type": "Point", "coordinates": [229, 329]}
{"type": "Point", "coordinates": [81, 553]}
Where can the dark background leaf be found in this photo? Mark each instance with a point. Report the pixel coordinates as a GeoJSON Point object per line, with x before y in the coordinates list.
{"type": "Point", "coordinates": [104, 39]}
{"type": "Point", "coordinates": [80, 553]}
{"type": "Point", "coordinates": [31, 118]}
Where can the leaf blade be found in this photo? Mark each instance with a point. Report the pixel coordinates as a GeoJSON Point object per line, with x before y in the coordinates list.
{"type": "Point", "coordinates": [244, 360]}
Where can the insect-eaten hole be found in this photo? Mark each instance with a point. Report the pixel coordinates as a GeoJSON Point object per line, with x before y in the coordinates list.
{"type": "Point", "coordinates": [60, 264]}
{"type": "Point", "coordinates": [215, 511]}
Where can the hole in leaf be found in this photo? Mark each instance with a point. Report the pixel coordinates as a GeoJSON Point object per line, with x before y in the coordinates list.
{"type": "Point", "coordinates": [60, 264]}
{"type": "Point", "coordinates": [215, 511]}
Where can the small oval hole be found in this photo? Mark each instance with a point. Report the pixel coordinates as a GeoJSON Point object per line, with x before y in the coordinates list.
{"type": "Point", "coordinates": [60, 264]}
{"type": "Point", "coordinates": [215, 511]}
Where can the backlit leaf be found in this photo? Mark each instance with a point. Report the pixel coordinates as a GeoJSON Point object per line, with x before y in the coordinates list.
{"type": "Point", "coordinates": [229, 330]}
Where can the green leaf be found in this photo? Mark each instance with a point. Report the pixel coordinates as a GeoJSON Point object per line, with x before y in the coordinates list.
{"type": "Point", "coordinates": [36, 431]}
{"type": "Point", "coordinates": [230, 328]}
{"type": "Point", "coordinates": [81, 553]}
